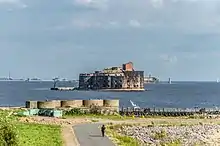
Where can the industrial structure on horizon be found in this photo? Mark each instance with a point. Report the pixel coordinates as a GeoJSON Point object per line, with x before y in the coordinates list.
{"type": "Point", "coordinates": [150, 79]}
{"type": "Point", "coordinates": [123, 78]}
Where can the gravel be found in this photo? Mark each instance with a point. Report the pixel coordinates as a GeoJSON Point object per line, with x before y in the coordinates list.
{"type": "Point", "coordinates": [186, 135]}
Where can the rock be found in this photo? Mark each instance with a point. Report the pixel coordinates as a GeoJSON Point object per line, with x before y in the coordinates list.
{"type": "Point", "coordinates": [188, 135]}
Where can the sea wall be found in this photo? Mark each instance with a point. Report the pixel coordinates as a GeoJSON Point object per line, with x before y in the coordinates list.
{"type": "Point", "coordinates": [64, 104]}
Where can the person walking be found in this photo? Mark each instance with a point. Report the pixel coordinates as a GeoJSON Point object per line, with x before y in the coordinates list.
{"type": "Point", "coordinates": [103, 130]}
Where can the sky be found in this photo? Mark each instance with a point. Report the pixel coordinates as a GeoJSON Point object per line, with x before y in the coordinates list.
{"type": "Point", "coordinates": [62, 38]}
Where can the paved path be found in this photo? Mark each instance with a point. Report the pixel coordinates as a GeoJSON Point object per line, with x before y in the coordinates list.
{"type": "Point", "coordinates": [90, 135]}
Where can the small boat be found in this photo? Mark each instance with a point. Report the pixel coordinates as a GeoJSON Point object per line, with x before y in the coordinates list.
{"type": "Point", "coordinates": [27, 80]}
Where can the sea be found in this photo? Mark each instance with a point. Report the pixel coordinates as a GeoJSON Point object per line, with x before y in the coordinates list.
{"type": "Point", "coordinates": [161, 95]}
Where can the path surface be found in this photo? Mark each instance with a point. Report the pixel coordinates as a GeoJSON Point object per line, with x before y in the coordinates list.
{"type": "Point", "coordinates": [90, 135]}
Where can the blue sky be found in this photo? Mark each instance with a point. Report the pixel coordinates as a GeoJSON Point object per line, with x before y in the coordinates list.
{"type": "Point", "coordinates": [167, 38]}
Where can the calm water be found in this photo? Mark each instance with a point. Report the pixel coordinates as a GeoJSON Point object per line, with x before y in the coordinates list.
{"type": "Point", "coordinates": [182, 94]}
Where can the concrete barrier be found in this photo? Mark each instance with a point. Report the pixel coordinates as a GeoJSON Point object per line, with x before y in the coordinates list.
{"type": "Point", "coordinates": [71, 103]}
{"type": "Point", "coordinates": [89, 103]}
{"type": "Point", "coordinates": [111, 103]}
{"type": "Point", "coordinates": [57, 103]}
{"type": "Point", "coordinates": [48, 104]}
{"type": "Point", "coordinates": [31, 104]}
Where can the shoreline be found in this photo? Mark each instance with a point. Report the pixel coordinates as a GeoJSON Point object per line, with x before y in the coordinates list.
{"type": "Point", "coordinates": [152, 123]}
{"type": "Point", "coordinates": [103, 90]}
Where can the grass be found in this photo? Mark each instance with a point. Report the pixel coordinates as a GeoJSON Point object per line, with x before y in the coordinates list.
{"type": "Point", "coordinates": [121, 140]}
{"type": "Point", "coordinates": [39, 135]}
{"type": "Point", "coordinates": [94, 121]}
{"type": "Point", "coordinates": [109, 117]}
{"type": "Point", "coordinates": [31, 134]}
{"type": "Point", "coordinates": [173, 143]}
{"type": "Point", "coordinates": [160, 135]}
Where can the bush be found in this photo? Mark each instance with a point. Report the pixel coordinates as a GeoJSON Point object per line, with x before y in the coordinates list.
{"type": "Point", "coordinates": [8, 134]}
{"type": "Point", "coordinates": [74, 111]}
{"type": "Point", "coordinates": [95, 110]}
{"type": "Point", "coordinates": [160, 135]}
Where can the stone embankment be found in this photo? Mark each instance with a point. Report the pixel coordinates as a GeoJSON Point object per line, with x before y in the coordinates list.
{"type": "Point", "coordinates": [206, 135]}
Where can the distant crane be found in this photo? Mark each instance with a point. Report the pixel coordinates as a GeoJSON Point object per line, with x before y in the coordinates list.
{"type": "Point", "coordinates": [169, 81]}
{"type": "Point", "coordinates": [55, 81]}
{"type": "Point", "coordinates": [9, 76]}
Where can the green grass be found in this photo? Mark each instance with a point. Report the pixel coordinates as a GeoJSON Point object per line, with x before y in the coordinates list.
{"type": "Point", "coordinates": [110, 117]}
{"type": "Point", "coordinates": [121, 140]}
{"type": "Point", "coordinates": [30, 134]}
{"type": "Point", "coordinates": [173, 143]}
{"type": "Point", "coordinates": [94, 121]}
{"type": "Point", "coordinates": [160, 135]}
{"type": "Point", "coordinates": [39, 135]}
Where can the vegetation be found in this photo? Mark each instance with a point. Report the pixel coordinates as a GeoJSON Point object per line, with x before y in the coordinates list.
{"type": "Point", "coordinates": [160, 135]}
{"type": "Point", "coordinates": [172, 143]}
{"type": "Point", "coordinates": [94, 112]}
{"type": "Point", "coordinates": [94, 120]}
{"type": "Point", "coordinates": [39, 135]}
{"type": "Point", "coordinates": [197, 117]}
{"type": "Point", "coordinates": [8, 133]}
{"type": "Point", "coordinates": [14, 133]}
{"type": "Point", "coordinates": [121, 140]}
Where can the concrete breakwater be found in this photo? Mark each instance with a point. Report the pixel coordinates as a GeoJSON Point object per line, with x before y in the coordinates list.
{"type": "Point", "coordinates": [113, 105]}
{"type": "Point", "coordinates": [173, 112]}
{"type": "Point", "coordinates": [57, 104]}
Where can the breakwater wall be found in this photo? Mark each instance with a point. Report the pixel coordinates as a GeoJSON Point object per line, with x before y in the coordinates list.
{"type": "Point", "coordinates": [168, 111]}
{"type": "Point", "coordinates": [59, 104]}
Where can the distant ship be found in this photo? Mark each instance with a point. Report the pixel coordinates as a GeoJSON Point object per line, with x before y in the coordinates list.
{"type": "Point", "coordinates": [217, 80]}
{"type": "Point", "coordinates": [33, 79]}
{"type": "Point", "coordinates": [27, 80]}
{"type": "Point", "coordinates": [150, 79]}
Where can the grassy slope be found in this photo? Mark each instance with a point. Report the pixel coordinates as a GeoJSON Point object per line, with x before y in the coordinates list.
{"type": "Point", "coordinates": [39, 135]}
{"type": "Point", "coordinates": [35, 134]}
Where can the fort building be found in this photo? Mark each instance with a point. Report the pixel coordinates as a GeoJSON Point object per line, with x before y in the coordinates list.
{"type": "Point", "coordinates": [123, 78]}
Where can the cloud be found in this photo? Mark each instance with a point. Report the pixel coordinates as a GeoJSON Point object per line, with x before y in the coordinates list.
{"type": "Point", "coordinates": [17, 3]}
{"type": "Point", "coordinates": [134, 23]}
{"type": "Point", "coordinates": [94, 4]}
{"type": "Point", "coordinates": [168, 58]}
{"type": "Point", "coordinates": [88, 24]}
{"type": "Point", "coordinates": [157, 3]}
{"type": "Point", "coordinates": [10, 1]}
{"type": "Point", "coordinates": [182, 16]}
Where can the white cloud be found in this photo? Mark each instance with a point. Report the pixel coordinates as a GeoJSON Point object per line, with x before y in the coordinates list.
{"type": "Point", "coordinates": [182, 16]}
{"type": "Point", "coordinates": [134, 23]}
{"type": "Point", "coordinates": [17, 3]}
{"type": "Point", "coordinates": [95, 4]}
{"type": "Point", "coordinates": [113, 24]}
{"type": "Point", "coordinates": [157, 3]}
{"type": "Point", "coordinates": [10, 1]}
{"type": "Point", "coordinates": [168, 58]}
